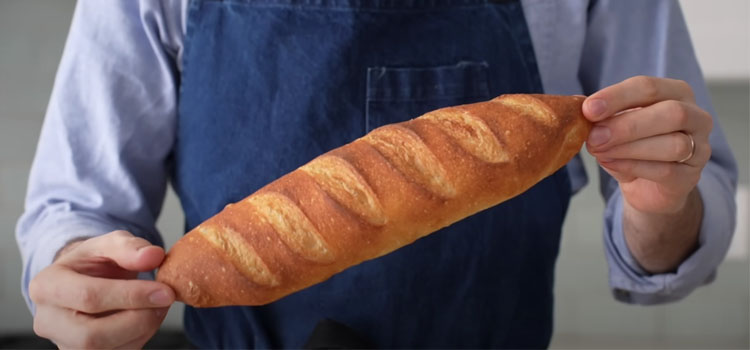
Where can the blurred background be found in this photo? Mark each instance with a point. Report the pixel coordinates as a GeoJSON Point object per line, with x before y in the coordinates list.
{"type": "Point", "coordinates": [32, 35]}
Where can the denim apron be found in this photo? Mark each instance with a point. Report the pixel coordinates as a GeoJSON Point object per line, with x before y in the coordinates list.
{"type": "Point", "coordinates": [267, 85]}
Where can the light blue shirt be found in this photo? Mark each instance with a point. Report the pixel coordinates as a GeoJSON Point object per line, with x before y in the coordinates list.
{"type": "Point", "coordinates": [102, 158]}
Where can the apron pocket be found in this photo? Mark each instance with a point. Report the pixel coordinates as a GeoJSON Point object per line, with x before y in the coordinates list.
{"type": "Point", "coordinates": [396, 94]}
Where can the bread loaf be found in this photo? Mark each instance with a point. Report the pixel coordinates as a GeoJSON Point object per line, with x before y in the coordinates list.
{"type": "Point", "coordinates": [372, 196]}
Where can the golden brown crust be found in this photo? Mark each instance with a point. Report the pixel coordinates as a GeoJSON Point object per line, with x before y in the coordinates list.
{"type": "Point", "coordinates": [372, 196]}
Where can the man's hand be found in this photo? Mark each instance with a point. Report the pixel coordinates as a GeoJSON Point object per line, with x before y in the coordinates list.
{"type": "Point", "coordinates": [650, 135]}
{"type": "Point", "coordinates": [89, 297]}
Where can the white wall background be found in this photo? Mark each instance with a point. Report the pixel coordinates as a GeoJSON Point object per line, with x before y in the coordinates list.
{"type": "Point", "coordinates": [720, 30]}
{"type": "Point", "coordinates": [32, 34]}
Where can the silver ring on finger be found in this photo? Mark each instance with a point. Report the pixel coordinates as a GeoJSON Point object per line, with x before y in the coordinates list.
{"type": "Point", "coordinates": [692, 149]}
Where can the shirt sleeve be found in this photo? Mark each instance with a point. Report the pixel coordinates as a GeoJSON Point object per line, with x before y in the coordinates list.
{"type": "Point", "coordinates": [645, 37]}
{"type": "Point", "coordinates": [103, 154]}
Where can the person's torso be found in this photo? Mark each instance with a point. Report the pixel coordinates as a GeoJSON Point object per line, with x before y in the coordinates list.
{"type": "Point", "coordinates": [267, 85]}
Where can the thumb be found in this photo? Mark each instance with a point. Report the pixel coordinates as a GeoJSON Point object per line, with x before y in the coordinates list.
{"type": "Point", "coordinates": [121, 247]}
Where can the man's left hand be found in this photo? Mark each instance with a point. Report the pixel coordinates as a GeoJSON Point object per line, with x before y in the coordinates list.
{"type": "Point", "coordinates": [650, 135]}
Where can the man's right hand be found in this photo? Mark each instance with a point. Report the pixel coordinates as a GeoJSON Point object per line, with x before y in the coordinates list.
{"type": "Point", "coordinates": [90, 297]}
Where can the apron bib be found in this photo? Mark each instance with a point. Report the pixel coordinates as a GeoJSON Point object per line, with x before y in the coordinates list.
{"type": "Point", "coordinates": [267, 85]}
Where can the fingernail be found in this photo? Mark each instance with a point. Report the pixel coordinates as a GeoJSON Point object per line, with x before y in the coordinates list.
{"type": "Point", "coordinates": [596, 107]}
{"type": "Point", "coordinates": [599, 136]}
{"type": "Point", "coordinates": [160, 298]}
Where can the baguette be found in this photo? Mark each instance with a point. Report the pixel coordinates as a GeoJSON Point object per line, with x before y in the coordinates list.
{"type": "Point", "coordinates": [372, 196]}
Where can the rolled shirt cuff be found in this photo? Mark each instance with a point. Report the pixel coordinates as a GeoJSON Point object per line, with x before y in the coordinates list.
{"type": "Point", "coordinates": [630, 283]}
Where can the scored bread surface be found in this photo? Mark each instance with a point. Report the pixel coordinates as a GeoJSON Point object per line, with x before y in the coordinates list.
{"type": "Point", "coordinates": [292, 226]}
{"type": "Point", "coordinates": [342, 182]}
{"type": "Point", "coordinates": [406, 151]}
{"type": "Point", "coordinates": [471, 133]}
{"type": "Point", "coordinates": [244, 258]}
{"type": "Point", "coordinates": [360, 201]}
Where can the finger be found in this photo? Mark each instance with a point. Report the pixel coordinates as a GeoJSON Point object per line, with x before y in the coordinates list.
{"type": "Point", "coordinates": [674, 147]}
{"type": "Point", "coordinates": [673, 174]}
{"type": "Point", "coordinates": [666, 148]}
{"type": "Point", "coordinates": [101, 267]}
{"type": "Point", "coordinates": [661, 118]}
{"type": "Point", "coordinates": [619, 177]}
{"type": "Point", "coordinates": [139, 342]}
{"type": "Point", "coordinates": [66, 288]}
{"type": "Point", "coordinates": [62, 326]}
{"type": "Point", "coordinates": [70, 329]}
{"type": "Point", "coordinates": [640, 91]}
{"type": "Point", "coordinates": [43, 325]}
{"type": "Point", "coordinates": [127, 251]}
{"type": "Point", "coordinates": [145, 322]}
